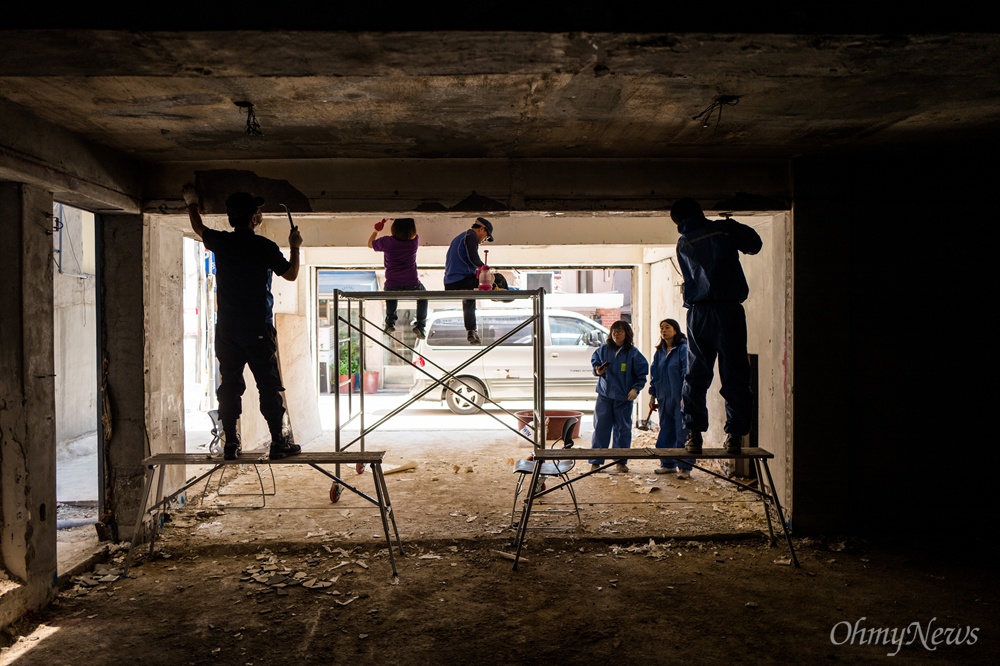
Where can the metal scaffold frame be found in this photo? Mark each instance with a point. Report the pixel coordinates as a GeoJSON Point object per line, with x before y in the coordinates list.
{"type": "Point", "coordinates": [358, 298]}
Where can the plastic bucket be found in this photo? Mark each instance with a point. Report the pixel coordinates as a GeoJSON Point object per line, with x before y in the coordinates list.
{"type": "Point", "coordinates": [556, 419]}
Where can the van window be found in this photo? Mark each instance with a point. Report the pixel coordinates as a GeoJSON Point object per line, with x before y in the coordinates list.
{"type": "Point", "coordinates": [447, 332]}
{"type": "Point", "coordinates": [497, 326]}
{"type": "Point", "coordinates": [450, 331]}
{"type": "Point", "coordinates": [569, 332]}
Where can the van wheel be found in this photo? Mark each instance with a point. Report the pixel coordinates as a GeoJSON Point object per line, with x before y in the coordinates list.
{"type": "Point", "coordinates": [468, 394]}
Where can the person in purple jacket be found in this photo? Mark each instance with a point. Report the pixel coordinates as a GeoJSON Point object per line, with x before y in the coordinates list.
{"type": "Point", "coordinates": [400, 259]}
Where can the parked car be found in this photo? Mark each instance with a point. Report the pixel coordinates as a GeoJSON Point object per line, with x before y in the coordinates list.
{"type": "Point", "coordinates": [505, 372]}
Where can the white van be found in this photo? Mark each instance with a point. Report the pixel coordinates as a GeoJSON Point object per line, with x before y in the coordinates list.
{"type": "Point", "coordinates": [505, 372]}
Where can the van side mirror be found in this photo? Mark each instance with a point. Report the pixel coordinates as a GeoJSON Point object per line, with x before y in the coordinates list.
{"type": "Point", "coordinates": [594, 338]}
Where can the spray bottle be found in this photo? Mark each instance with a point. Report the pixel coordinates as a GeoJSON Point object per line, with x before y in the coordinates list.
{"type": "Point", "coordinates": [484, 274]}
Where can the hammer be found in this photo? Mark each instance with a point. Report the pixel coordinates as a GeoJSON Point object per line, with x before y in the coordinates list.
{"type": "Point", "coordinates": [290, 223]}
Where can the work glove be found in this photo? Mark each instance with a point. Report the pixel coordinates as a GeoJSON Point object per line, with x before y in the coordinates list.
{"type": "Point", "coordinates": [294, 238]}
{"type": "Point", "coordinates": [633, 394]}
{"type": "Point", "coordinates": [380, 225]}
{"type": "Point", "coordinates": [190, 194]}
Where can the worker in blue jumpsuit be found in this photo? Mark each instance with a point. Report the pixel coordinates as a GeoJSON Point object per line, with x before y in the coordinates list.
{"type": "Point", "coordinates": [714, 290]}
{"type": "Point", "coordinates": [621, 372]}
{"type": "Point", "coordinates": [666, 380]}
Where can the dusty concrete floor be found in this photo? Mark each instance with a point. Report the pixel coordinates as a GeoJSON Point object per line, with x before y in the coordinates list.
{"type": "Point", "coordinates": [439, 441]}
{"type": "Point", "coordinates": [662, 570]}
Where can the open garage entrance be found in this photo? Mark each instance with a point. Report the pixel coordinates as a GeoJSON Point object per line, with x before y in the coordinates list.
{"type": "Point", "coordinates": [569, 253]}
{"type": "Point", "coordinates": [644, 254]}
{"type": "Point", "coordinates": [78, 466]}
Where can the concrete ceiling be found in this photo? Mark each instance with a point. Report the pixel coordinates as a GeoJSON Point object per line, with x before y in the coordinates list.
{"type": "Point", "coordinates": [174, 102]}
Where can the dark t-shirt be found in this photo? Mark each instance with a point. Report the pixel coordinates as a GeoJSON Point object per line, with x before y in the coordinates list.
{"type": "Point", "coordinates": [244, 263]}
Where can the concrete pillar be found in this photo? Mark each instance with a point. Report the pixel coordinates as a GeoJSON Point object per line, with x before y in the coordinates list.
{"type": "Point", "coordinates": [769, 335]}
{"type": "Point", "coordinates": [121, 316]}
{"type": "Point", "coordinates": [27, 402]}
{"type": "Point", "coordinates": [141, 280]}
{"type": "Point", "coordinates": [894, 288]}
{"type": "Point", "coordinates": [821, 374]}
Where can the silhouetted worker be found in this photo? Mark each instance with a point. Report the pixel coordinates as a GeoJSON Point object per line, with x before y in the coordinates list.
{"type": "Point", "coordinates": [245, 333]}
{"type": "Point", "coordinates": [714, 290]}
{"type": "Point", "coordinates": [460, 266]}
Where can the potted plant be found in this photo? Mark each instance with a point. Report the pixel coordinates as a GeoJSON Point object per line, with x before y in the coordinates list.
{"type": "Point", "coordinates": [349, 368]}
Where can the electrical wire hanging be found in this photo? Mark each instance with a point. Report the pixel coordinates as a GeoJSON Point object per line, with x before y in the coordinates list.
{"type": "Point", "coordinates": [715, 107]}
{"type": "Point", "coordinates": [253, 127]}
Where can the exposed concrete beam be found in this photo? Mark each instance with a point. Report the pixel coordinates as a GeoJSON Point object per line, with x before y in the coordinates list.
{"type": "Point", "coordinates": [556, 15]}
{"type": "Point", "coordinates": [39, 153]}
{"type": "Point", "coordinates": [461, 186]}
{"type": "Point", "coordinates": [522, 239]}
{"type": "Point", "coordinates": [519, 229]}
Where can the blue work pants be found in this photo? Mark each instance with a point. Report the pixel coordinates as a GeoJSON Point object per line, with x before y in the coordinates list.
{"type": "Point", "coordinates": [611, 418]}
{"type": "Point", "coordinates": [672, 436]}
{"type": "Point", "coordinates": [468, 283]}
{"type": "Point", "coordinates": [717, 330]}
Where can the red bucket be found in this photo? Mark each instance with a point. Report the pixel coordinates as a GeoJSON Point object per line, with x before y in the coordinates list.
{"type": "Point", "coordinates": [556, 419]}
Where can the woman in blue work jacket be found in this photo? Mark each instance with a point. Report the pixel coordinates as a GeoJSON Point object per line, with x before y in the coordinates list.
{"type": "Point", "coordinates": [621, 372]}
{"type": "Point", "coordinates": [666, 378]}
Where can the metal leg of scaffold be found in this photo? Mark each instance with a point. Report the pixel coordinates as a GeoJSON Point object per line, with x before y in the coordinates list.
{"type": "Point", "coordinates": [381, 492]}
{"type": "Point", "coordinates": [781, 515]}
{"type": "Point", "coordinates": [529, 500]}
{"type": "Point", "coordinates": [764, 499]}
{"type": "Point", "coordinates": [158, 505]}
{"type": "Point", "coordinates": [138, 521]}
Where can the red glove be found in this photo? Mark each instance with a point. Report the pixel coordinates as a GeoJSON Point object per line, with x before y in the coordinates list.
{"type": "Point", "coordinates": [380, 225]}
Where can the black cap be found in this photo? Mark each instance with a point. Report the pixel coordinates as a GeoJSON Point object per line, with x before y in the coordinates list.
{"type": "Point", "coordinates": [488, 226]}
{"type": "Point", "coordinates": [243, 203]}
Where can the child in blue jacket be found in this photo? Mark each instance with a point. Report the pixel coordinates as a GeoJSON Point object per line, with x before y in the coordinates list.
{"type": "Point", "coordinates": [621, 372]}
{"type": "Point", "coordinates": [666, 379]}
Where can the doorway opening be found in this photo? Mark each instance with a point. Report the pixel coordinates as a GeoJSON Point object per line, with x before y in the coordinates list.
{"type": "Point", "coordinates": [200, 366]}
{"type": "Point", "coordinates": [78, 460]}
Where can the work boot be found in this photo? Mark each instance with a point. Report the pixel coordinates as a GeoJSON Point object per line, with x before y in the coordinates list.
{"type": "Point", "coordinates": [419, 332]}
{"type": "Point", "coordinates": [734, 443]}
{"type": "Point", "coordinates": [283, 448]}
{"type": "Point", "coordinates": [473, 338]}
{"type": "Point", "coordinates": [232, 449]}
{"type": "Point", "coordinates": [390, 328]}
{"type": "Point", "coordinates": [693, 442]}
{"type": "Point", "coordinates": [622, 468]}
